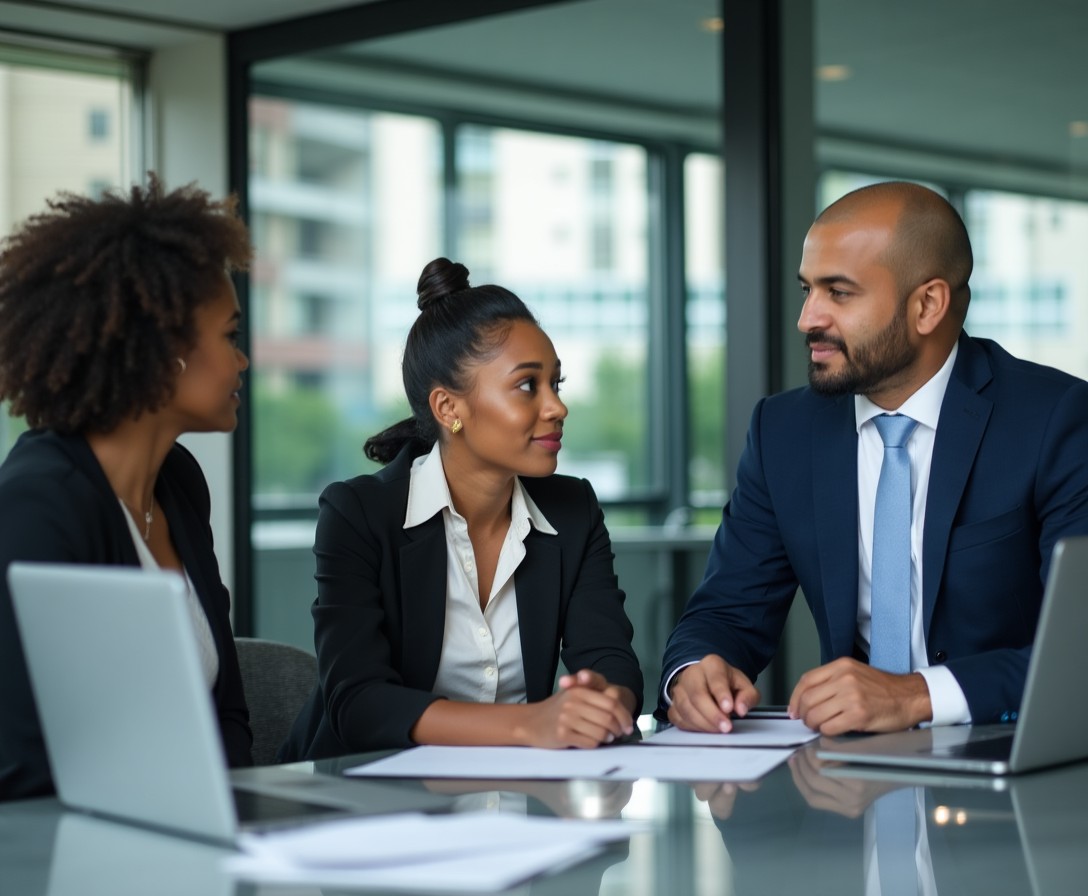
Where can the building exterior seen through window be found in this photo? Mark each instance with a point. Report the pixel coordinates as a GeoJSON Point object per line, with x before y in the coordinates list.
{"type": "Point", "coordinates": [63, 126]}
{"type": "Point", "coordinates": [1029, 288]}
{"type": "Point", "coordinates": [347, 207]}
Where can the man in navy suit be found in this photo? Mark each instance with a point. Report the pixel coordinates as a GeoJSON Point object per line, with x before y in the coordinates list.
{"type": "Point", "coordinates": [999, 464]}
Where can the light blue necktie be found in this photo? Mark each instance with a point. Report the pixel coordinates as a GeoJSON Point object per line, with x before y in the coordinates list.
{"type": "Point", "coordinates": [889, 641]}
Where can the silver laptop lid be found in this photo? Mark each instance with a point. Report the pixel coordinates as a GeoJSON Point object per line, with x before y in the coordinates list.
{"type": "Point", "coordinates": [1050, 730]}
{"type": "Point", "coordinates": [128, 721]}
{"type": "Point", "coordinates": [1052, 727]}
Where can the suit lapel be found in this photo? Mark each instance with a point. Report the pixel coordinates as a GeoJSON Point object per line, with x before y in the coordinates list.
{"type": "Point", "coordinates": [963, 420]}
{"type": "Point", "coordinates": [537, 583]}
{"type": "Point", "coordinates": [835, 517]}
{"type": "Point", "coordinates": [423, 602]}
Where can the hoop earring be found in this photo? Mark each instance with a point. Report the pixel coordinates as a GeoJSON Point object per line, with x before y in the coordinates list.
{"type": "Point", "coordinates": [456, 426]}
{"type": "Point", "coordinates": [182, 365]}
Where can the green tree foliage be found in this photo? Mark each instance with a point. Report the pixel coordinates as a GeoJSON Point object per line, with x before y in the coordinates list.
{"type": "Point", "coordinates": [295, 440]}
{"type": "Point", "coordinates": [613, 417]}
{"type": "Point", "coordinates": [706, 394]}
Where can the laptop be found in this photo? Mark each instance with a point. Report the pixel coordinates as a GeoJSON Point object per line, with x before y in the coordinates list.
{"type": "Point", "coordinates": [128, 720]}
{"type": "Point", "coordinates": [1052, 727]}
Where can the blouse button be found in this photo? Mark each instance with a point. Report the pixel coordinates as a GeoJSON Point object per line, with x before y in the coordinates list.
{"type": "Point", "coordinates": [490, 671]}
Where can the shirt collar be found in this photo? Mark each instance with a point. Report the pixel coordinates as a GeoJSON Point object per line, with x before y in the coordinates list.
{"type": "Point", "coordinates": [923, 406]}
{"type": "Point", "coordinates": [429, 493]}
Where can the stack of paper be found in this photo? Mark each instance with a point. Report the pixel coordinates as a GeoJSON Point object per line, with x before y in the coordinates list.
{"type": "Point", "coordinates": [473, 851]}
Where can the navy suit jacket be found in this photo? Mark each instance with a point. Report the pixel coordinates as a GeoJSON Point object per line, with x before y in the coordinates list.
{"type": "Point", "coordinates": [56, 505]}
{"type": "Point", "coordinates": [1009, 478]}
{"type": "Point", "coordinates": [379, 616]}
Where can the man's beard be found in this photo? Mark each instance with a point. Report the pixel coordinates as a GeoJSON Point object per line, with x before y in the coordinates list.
{"type": "Point", "coordinates": [869, 365]}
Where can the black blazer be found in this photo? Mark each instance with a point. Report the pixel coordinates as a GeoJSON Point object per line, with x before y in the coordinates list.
{"type": "Point", "coordinates": [57, 505]}
{"type": "Point", "coordinates": [380, 611]}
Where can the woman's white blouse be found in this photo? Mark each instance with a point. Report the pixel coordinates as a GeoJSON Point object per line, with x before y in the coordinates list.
{"type": "Point", "coordinates": [209, 656]}
{"type": "Point", "coordinates": [481, 658]}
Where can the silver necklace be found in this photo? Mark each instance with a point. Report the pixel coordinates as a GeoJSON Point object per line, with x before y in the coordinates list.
{"type": "Point", "coordinates": [148, 517]}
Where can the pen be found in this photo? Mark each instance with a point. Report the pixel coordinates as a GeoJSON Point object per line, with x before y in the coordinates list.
{"type": "Point", "coordinates": [766, 712]}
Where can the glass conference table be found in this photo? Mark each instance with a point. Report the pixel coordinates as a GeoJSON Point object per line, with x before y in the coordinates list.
{"type": "Point", "coordinates": [800, 829]}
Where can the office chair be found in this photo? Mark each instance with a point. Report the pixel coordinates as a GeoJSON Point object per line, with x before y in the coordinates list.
{"type": "Point", "coordinates": [277, 679]}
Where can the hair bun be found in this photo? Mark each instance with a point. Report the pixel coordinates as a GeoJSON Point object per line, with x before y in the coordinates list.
{"type": "Point", "coordinates": [440, 279]}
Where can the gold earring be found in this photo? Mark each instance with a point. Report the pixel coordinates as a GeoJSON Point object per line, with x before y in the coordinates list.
{"type": "Point", "coordinates": [456, 426]}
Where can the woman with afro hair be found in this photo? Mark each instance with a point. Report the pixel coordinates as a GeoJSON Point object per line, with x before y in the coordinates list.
{"type": "Point", "coordinates": [118, 333]}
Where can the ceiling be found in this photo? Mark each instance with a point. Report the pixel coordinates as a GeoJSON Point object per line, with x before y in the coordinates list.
{"type": "Point", "coordinates": [206, 15]}
{"type": "Point", "coordinates": [1000, 80]}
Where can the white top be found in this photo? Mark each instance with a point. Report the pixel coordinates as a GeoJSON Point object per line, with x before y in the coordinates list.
{"type": "Point", "coordinates": [205, 642]}
{"type": "Point", "coordinates": [481, 648]}
{"type": "Point", "coordinates": [949, 704]}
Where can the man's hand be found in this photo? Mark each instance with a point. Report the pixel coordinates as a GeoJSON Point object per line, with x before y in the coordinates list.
{"type": "Point", "coordinates": [846, 695]}
{"type": "Point", "coordinates": [705, 693]}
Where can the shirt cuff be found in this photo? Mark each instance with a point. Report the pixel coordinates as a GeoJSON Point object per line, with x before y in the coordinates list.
{"type": "Point", "coordinates": [665, 698]}
{"type": "Point", "coordinates": [945, 696]}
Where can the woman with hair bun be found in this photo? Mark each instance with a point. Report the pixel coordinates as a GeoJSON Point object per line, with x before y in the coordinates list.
{"type": "Point", "coordinates": [451, 582]}
{"type": "Point", "coordinates": [118, 333]}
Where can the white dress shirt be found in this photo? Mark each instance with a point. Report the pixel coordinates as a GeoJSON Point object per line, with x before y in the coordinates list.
{"type": "Point", "coordinates": [481, 658]}
{"type": "Point", "coordinates": [205, 641]}
{"type": "Point", "coordinates": [949, 704]}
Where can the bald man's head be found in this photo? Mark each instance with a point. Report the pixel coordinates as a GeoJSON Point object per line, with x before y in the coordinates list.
{"type": "Point", "coordinates": [930, 238]}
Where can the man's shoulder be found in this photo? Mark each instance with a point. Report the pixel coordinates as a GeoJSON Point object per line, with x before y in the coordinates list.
{"type": "Point", "coordinates": [1013, 374]}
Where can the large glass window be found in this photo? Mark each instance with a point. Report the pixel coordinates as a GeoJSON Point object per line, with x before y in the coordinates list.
{"type": "Point", "coordinates": [562, 221]}
{"type": "Point", "coordinates": [569, 182]}
{"type": "Point", "coordinates": [347, 204]}
{"type": "Point", "coordinates": [1030, 287]}
{"type": "Point", "coordinates": [1000, 129]}
{"type": "Point", "coordinates": [704, 242]}
{"type": "Point", "coordinates": [65, 124]}
{"type": "Point", "coordinates": [343, 205]}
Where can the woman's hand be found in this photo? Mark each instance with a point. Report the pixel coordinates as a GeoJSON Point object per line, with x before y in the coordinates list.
{"type": "Point", "coordinates": [586, 712]}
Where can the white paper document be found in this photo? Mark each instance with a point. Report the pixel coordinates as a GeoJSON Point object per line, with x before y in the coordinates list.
{"type": "Point", "coordinates": [622, 763]}
{"type": "Point", "coordinates": [693, 763]}
{"type": "Point", "coordinates": [467, 851]}
{"type": "Point", "coordinates": [494, 763]}
{"type": "Point", "coordinates": [745, 733]}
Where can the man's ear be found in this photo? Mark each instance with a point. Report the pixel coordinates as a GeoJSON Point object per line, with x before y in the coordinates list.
{"type": "Point", "coordinates": [932, 302]}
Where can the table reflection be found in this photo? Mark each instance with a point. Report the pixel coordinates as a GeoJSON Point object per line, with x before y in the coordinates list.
{"type": "Point", "coordinates": [808, 827]}
{"type": "Point", "coordinates": [804, 828]}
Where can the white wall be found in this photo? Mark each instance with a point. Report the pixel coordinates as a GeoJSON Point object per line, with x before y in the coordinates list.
{"type": "Point", "coordinates": [188, 129]}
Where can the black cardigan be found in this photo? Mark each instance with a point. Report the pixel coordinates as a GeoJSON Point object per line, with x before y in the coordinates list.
{"type": "Point", "coordinates": [380, 611]}
{"type": "Point", "coordinates": [56, 505]}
